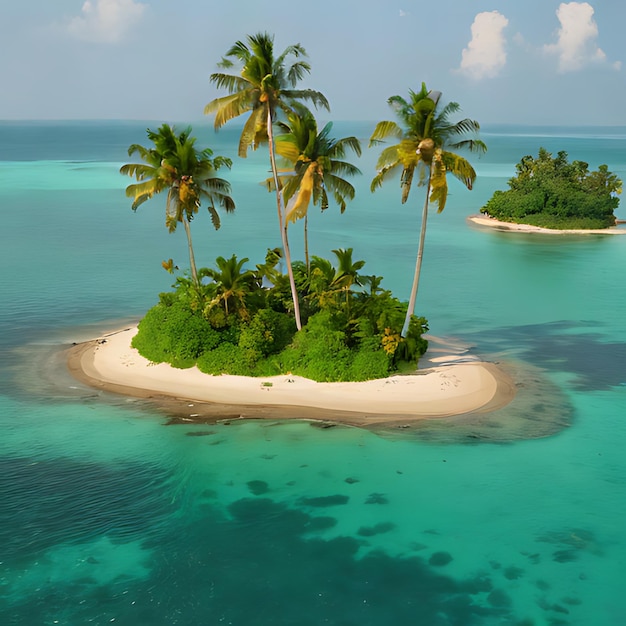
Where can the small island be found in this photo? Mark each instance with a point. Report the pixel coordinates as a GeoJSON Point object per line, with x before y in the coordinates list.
{"type": "Point", "coordinates": [318, 337]}
{"type": "Point", "coordinates": [551, 195]}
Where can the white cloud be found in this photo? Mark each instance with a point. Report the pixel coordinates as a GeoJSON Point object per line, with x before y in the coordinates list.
{"type": "Point", "coordinates": [485, 55]}
{"type": "Point", "coordinates": [106, 21]}
{"type": "Point", "coordinates": [576, 44]}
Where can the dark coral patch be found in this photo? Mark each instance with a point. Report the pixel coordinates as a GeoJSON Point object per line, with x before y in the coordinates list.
{"type": "Point", "coordinates": [377, 529]}
{"type": "Point", "coordinates": [258, 487]}
{"type": "Point", "coordinates": [323, 501]}
{"type": "Point", "coordinates": [439, 559]}
{"type": "Point", "coordinates": [377, 498]}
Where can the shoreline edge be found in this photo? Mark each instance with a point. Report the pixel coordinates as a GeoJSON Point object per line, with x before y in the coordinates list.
{"type": "Point", "coordinates": [110, 364]}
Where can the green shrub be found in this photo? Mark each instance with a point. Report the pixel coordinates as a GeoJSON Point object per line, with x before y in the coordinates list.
{"type": "Point", "coordinates": [268, 332]}
{"type": "Point", "coordinates": [369, 362]}
{"type": "Point", "coordinates": [227, 358]}
{"type": "Point", "coordinates": [414, 345]}
{"type": "Point", "coordinates": [318, 351]}
{"type": "Point", "coordinates": [150, 341]}
{"type": "Point", "coordinates": [174, 334]}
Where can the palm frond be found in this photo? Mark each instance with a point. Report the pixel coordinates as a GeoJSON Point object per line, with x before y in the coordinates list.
{"type": "Point", "coordinates": [229, 107]}
{"type": "Point", "coordinates": [221, 161]}
{"type": "Point", "coordinates": [215, 218]}
{"type": "Point", "coordinates": [227, 203]}
{"type": "Point", "coordinates": [438, 182]}
{"type": "Point", "coordinates": [472, 145]}
{"type": "Point", "coordinates": [398, 103]}
{"type": "Point", "coordinates": [448, 110]}
{"type": "Point", "coordinates": [253, 131]}
{"type": "Point", "coordinates": [297, 72]}
{"type": "Point", "coordinates": [382, 175]}
{"type": "Point", "coordinates": [215, 185]}
{"type": "Point", "coordinates": [295, 50]}
{"type": "Point", "coordinates": [289, 185]}
{"type": "Point", "coordinates": [341, 189]}
{"type": "Point", "coordinates": [406, 179]}
{"type": "Point", "coordinates": [147, 188]}
{"type": "Point", "coordinates": [343, 168]}
{"type": "Point", "coordinates": [140, 171]}
{"type": "Point", "coordinates": [144, 153]}
{"type": "Point", "coordinates": [287, 148]}
{"type": "Point", "coordinates": [260, 47]}
{"type": "Point", "coordinates": [389, 157]}
{"type": "Point", "coordinates": [317, 98]}
{"type": "Point", "coordinates": [459, 167]}
{"type": "Point", "coordinates": [239, 50]}
{"type": "Point", "coordinates": [384, 130]}
{"type": "Point", "coordinates": [173, 213]}
{"type": "Point", "coordinates": [346, 143]}
{"type": "Point", "coordinates": [465, 126]}
{"type": "Point", "coordinates": [225, 63]}
{"type": "Point", "coordinates": [300, 206]}
{"type": "Point", "coordinates": [230, 82]}
{"type": "Point", "coordinates": [139, 200]}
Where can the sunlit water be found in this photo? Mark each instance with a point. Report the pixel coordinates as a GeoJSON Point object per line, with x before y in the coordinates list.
{"type": "Point", "coordinates": [108, 515]}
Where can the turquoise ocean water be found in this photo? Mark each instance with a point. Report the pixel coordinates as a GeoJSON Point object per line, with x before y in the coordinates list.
{"type": "Point", "coordinates": [108, 515]}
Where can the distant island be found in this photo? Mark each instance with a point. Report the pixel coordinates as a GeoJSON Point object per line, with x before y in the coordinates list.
{"type": "Point", "coordinates": [553, 195]}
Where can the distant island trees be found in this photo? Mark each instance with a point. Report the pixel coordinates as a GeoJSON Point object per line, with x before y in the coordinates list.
{"type": "Point", "coordinates": [551, 192]}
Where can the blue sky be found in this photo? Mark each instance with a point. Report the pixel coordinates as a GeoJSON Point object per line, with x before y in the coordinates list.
{"type": "Point", "coordinates": [504, 61]}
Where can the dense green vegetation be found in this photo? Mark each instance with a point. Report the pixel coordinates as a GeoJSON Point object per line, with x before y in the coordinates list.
{"type": "Point", "coordinates": [554, 193]}
{"type": "Point", "coordinates": [230, 323]}
{"type": "Point", "coordinates": [320, 319]}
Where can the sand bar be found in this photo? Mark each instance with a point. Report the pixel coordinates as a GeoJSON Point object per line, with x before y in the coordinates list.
{"type": "Point", "coordinates": [457, 388]}
{"type": "Point", "coordinates": [490, 222]}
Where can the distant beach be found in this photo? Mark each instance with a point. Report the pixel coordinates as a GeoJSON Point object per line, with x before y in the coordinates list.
{"type": "Point", "coordinates": [490, 222]}
{"type": "Point", "coordinates": [456, 388]}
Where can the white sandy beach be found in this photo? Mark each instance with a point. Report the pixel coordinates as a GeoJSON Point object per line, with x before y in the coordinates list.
{"type": "Point", "coordinates": [452, 389]}
{"type": "Point", "coordinates": [490, 222]}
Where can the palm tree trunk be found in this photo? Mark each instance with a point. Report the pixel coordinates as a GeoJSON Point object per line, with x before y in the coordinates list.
{"type": "Point", "coordinates": [306, 243]}
{"type": "Point", "coordinates": [281, 222]}
{"type": "Point", "coordinates": [418, 264]}
{"type": "Point", "coordinates": [192, 259]}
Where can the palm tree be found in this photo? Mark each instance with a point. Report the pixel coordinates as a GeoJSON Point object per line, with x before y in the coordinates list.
{"type": "Point", "coordinates": [233, 285]}
{"type": "Point", "coordinates": [318, 167]}
{"type": "Point", "coordinates": [186, 173]}
{"type": "Point", "coordinates": [265, 88]}
{"type": "Point", "coordinates": [426, 137]}
{"type": "Point", "coordinates": [326, 283]}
